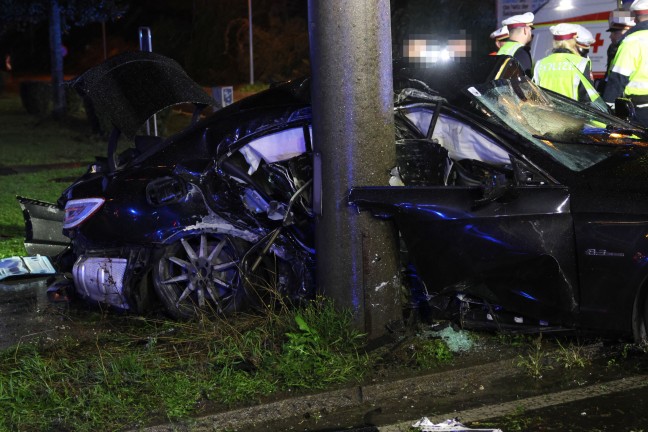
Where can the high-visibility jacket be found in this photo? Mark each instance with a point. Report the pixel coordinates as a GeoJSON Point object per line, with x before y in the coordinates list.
{"type": "Point", "coordinates": [509, 48]}
{"type": "Point", "coordinates": [631, 60]}
{"type": "Point", "coordinates": [566, 73]}
{"type": "Point", "coordinates": [628, 73]}
{"type": "Point", "coordinates": [519, 53]}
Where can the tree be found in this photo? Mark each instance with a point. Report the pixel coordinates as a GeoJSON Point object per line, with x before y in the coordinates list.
{"type": "Point", "coordinates": [60, 14]}
{"type": "Point", "coordinates": [217, 50]}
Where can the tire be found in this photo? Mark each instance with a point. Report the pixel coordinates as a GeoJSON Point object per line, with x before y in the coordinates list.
{"type": "Point", "coordinates": [200, 274]}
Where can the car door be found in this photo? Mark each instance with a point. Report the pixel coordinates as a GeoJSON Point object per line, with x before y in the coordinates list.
{"type": "Point", "coordinates": [512, 245]}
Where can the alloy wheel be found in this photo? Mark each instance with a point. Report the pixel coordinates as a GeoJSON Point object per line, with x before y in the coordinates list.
{"type": "Point", "coordinates": [200, 274]}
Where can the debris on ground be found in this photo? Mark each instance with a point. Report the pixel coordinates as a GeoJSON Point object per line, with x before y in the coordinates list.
{"type": "Point", "coordinates": [22, 266]}
{"type": "Point", "coordinates": [457, 340]}
{"type": "Point", "coordinates": [59, 291]}
{"type": "Point", "coordinates": [450, 425]}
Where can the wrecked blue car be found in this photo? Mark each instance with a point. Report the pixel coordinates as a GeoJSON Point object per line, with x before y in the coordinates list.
{"type": "Point", "coordinates": [517, 209]}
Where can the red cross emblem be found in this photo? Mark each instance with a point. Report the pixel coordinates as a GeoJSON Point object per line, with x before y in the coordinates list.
{"type": "Point", "coordinates": [597, 43]}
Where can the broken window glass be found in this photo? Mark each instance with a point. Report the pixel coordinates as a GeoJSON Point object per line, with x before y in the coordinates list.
{"type": "Point", "coordinates": [572, 134]}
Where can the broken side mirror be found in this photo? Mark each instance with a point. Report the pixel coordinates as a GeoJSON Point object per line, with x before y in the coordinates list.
{"type": "Point", "coordinates": [498, 192]}
{"type": "Point", "coordinates": [625, 109]}
{"type": "Point", "coordinates": [501, 189]}
{"type": "Point", "coordinates": [525, 175]}
{"type": "Point", "coordinates": [495, 182]}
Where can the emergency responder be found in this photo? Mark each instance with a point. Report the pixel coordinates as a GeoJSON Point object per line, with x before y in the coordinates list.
{"type": "Point", "coordinates": [499, 36]}
{"type": "Point", "coordinates": [628, 75]}
{"type": "Point", "coordinates": [620, 22]}
{"type": "Point", "coordinates": [584, 40]}
{"type": "Point", "coordinates": [520, 35]}
{"type": "Point", "coordinates": [565, 71]}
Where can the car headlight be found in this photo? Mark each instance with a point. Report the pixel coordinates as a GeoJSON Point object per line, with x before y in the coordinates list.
{"type": "Point", "coordinates": [78, 210]}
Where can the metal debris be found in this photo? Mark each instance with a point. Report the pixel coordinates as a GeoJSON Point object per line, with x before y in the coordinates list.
{"type": "Point", "coordinates": [22, 266]}
{"type": "Point", "coordinates": [450, 425]}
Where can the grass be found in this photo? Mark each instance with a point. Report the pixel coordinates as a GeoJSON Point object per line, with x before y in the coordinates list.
{"type": "Point", "coordinates": [572, 356]}
{"type": "Point", "coordinates": [535, 362]}
{"type": "Point", "coordinates": [27, 140]}
{"type": "Point", "coordinates": [542, 356]}
{"type": "Point", "coordinates": [43, 185]}
{"type": "Point", "coordinates": [153, 371]}
{"type": "Point", "coordinates": [430, 353]}
{"type": "Point", "coordinates": [252, 88]}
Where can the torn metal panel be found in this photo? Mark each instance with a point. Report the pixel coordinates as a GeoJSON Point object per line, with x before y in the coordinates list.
{"type": "Point", "coordinates": [25, 266]}
{"type": "Point", "coordinates": [521, 250]}
{"type": "Point", "coordinates": [215, 223]}
{"type": "Point", "coordinates": [43, 227]}
{"type": "Point", "coordinates": [450, 425]}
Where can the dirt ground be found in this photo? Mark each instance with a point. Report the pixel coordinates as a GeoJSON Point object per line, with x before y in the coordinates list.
{"type": "Point", "coordinates": [27, 316]}
{"type": "Point", "coordinates": [25, 312]}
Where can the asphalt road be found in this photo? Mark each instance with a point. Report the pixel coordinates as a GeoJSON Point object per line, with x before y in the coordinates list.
{"type": "Point", "coordinates": [619, 405]}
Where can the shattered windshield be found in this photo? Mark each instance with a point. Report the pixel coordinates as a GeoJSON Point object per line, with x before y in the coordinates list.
{"type": "Point", "coordinates": [567, 131]}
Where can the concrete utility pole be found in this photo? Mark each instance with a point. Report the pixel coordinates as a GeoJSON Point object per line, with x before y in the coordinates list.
{"type": "Point", "coordinates": [56, 58]}
{"type": "Point", "coordinates": [353, 131]}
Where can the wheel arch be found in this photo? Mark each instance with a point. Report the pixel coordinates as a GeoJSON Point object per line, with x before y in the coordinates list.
{"type": "Point", "coordinates": [222, 227]}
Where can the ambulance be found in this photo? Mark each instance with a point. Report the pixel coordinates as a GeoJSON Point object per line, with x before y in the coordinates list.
{"type": "Point", "coordinates": [592, 14]}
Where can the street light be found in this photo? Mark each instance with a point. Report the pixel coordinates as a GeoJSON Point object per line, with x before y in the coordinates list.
{"type": "Point", "coordinates": [251, 48]}
{"type": "Point", "coordinates": [565, 5]}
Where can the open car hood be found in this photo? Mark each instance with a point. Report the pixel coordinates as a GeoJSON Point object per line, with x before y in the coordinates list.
{"type": "Point", "coordinates": [131, 87]}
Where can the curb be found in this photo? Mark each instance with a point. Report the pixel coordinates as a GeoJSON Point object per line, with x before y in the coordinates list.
{"type": "Point", "coordinates": [533, 403]}
{"type": "Point", "coordinates": [441, 384]}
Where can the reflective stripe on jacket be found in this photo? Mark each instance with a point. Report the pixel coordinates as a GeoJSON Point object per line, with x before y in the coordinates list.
{"type": "Point", "coordinates": [631, 61]}
{"type": "Point", "coordinates": [566, 73]}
